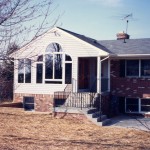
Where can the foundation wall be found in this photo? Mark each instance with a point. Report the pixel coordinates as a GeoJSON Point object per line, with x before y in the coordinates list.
{"type": "Point", "coordinates": [42, 102]}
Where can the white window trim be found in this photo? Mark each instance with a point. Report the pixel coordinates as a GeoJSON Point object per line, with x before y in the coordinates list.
{"type": "Point", "coordinates": [23, 71]}
{"type": "Point", "coordinates": [63, 67]}
{"type": "Point", "coordinates": [40, 62]}
{"type": "Point", "coordinates": [44, 70]}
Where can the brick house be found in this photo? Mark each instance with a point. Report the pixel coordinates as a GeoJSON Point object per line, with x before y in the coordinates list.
{"type": "Point", "coordinates": [61, 60]}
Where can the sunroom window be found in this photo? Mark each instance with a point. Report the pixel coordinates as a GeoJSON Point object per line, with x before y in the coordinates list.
{"type": "Point", "coordinates": [51, 66]}
{"type": "Point", "coordinates": [53, 63]}
{"type": "Point", "coordinates": [24, 71]}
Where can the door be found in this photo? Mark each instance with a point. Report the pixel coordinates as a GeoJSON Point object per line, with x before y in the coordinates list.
{"type": "Point", "coordinates": [84, 75]}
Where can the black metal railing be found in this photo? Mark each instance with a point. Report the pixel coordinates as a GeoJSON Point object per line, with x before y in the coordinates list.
{"type": "Point", "coordinates": [73, 99]}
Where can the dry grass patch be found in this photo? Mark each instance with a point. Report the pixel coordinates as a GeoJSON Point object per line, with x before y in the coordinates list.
{"type": "Point", "coordinates": [21, 130]}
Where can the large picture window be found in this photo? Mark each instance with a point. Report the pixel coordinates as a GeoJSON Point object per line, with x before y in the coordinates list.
{"type": "Point", "coordinates": [52, 65]}
{"type": "Point", "coordinates": [24, 71]}
{"type": "Point", "coordinates": [137, 68]}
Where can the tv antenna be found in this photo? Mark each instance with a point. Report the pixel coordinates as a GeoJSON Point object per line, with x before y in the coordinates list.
{"type": "Point", "coordinates": [127, 17]}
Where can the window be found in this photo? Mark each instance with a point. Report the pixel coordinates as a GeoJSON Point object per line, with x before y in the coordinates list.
{"type": "Point", "coordinates": [52, 65]}
{"type": "Point", "coordinates": [49, 66]}
{"type": "Point", "coordinates": [137, 105]}
{"type": "Point", "coordinates": [21, 71]}
{"type": "Point", "coordinates": [132, 104]}
{"type": "Point", "coordinates": [68, 73]}
{"type": "Point", "coordinates": [39, 73]}
{"type": "Point", "coordinates": [137, 68]}
{"type": "Point", "coordinates": [24, 71]}
{"type": "Point", "coordinates": [132, 67]}
{"type": "Point", "coordinates": [27, 71]}
{"type": "Point", "coordinates": [53, 62]}
{"type": "Point", "coordinates": [145, 67]}
{"type": "Point", "coordinates": [145, 105]}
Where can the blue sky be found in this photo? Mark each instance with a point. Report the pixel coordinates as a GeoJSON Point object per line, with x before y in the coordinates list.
{"type": "Point", "coordinates": [101, 19]}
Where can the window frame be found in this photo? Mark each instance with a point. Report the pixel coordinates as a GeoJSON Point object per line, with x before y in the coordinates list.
{"type": "Point", "coordinates": [64, 61]}
{"type": "Point", "coordinates": [139, 105]}
{"type": "Point", "coordinates": [53, 73]}
{"type": "Point", "coordinates": [131, 104]}
{"type": "Point", "coordinates": [140, 69]}
{"type": "Point", "coordinates": [126, 68]}
{"type": "Point", "coordinates": [24, 71]}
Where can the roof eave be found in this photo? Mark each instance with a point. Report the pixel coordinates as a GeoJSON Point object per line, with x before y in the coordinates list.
{"type": "Point", "coordinates": [130, 56]}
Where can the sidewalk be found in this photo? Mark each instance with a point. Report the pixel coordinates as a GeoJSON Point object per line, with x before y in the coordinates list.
{"type": "Point", "coordinates": [135, 122]}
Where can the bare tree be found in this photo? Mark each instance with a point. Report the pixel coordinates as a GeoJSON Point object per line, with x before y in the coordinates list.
{"type": "Point", "coordinates": [21, 21]}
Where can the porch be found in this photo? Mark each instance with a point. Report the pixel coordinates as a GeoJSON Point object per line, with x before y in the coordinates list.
{"type": "Point", "coordinates": [93, 75]}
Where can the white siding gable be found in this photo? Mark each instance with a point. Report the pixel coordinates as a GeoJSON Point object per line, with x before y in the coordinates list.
{"type": "Point", "coordinates": [71, 45]}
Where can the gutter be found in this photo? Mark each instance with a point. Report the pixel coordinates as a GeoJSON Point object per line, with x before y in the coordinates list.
{"type": "Point", "coordinates": [129, 55]}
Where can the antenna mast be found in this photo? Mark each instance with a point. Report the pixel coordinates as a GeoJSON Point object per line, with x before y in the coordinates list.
{"type": "Point", "coordinates": [127, 21]}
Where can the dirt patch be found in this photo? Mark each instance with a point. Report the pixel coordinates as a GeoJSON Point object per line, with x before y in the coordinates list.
{"type": "Point", "coordinates": [22, 130]}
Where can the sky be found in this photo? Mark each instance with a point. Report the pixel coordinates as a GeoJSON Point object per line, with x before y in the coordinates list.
{"type": "Point", "coordinates": [103, 19]}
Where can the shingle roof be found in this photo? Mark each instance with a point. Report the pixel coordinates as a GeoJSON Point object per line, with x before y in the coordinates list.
{"type": "Point", "coordinates": [117, 47]}
{"type": "Point", "coordinates": [131, 46]}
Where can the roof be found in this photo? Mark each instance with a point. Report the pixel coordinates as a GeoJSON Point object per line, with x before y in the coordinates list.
{"type": "Point", "coordinates": [130, 46]}
{"type": "Point", "coordinates": [117, 47]}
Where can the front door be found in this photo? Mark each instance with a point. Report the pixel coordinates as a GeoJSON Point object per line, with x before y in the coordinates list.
{"type": "Point", "coordinates": [84, 75]}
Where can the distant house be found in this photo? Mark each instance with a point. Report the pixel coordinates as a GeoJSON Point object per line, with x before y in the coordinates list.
{"type": "Point", "coordinates": [61, 60]}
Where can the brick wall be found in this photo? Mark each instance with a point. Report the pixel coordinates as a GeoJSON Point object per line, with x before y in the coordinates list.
{"type": "Point", "coordinates": [128, 87]}
{"type": "Point", "coordinates": [43, 102]}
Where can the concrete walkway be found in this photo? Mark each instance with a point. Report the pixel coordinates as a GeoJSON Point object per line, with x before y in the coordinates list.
{"type": "Point", "coordinates": [125, 121]}
{"type": "Point", "coordinates": [135, 122]}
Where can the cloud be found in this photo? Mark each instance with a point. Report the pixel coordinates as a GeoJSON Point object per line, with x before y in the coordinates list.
{"type": "Point", "coordinates": [109, 3]}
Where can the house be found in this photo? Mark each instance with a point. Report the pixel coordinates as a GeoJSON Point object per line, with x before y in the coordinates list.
{"type": "Point", "coordinates": [61, 60]}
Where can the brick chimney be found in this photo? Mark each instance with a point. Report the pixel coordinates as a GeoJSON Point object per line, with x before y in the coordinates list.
{"type": "Point", "coordinates": [122, 35]}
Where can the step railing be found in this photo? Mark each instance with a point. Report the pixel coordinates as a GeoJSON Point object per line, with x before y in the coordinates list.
{"type": "Point", "coordinates": [74, 99]}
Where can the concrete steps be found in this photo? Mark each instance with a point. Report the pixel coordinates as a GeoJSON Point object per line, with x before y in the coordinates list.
{"type": "Point", "coordinates": [94, 116]}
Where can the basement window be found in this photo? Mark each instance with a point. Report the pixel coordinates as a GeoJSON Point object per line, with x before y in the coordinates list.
{"type": "Point", "coordinates": [28, 103]}
{"type": "Point", "coordinates": [145, 105]}
{"type": "Point", "coordinates": [137, 105]}
{"type": "Point", "coordinates": [132, 105]}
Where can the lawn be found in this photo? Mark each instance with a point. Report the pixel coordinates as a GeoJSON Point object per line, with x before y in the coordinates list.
{"type": "Point", "coordinates": [21, 130]}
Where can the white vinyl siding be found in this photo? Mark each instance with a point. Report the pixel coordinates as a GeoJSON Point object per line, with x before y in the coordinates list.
{"type": "Point", "coordinates": [70, 45]}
